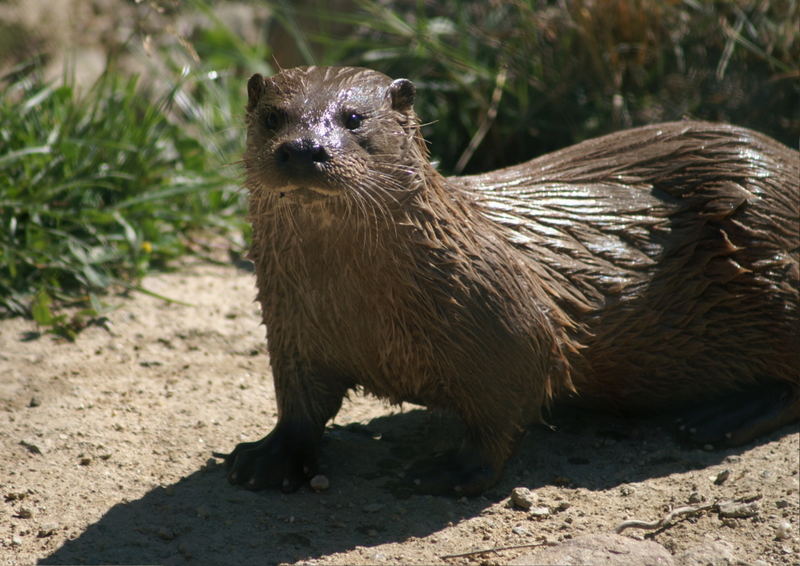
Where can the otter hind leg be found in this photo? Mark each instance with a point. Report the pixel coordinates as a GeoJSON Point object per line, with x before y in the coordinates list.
{"type": "Point", "coordinates": [473, 467]}
{"type": "Point", "coordinates": [463, 471]}
{"type": "Point", "coordinates": [739, 418]}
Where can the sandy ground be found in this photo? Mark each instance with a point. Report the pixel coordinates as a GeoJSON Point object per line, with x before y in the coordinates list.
{"type": "Point", "coordinates": [107, 460]}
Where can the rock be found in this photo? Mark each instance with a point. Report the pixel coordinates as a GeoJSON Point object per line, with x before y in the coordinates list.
{"type": "Point", "coordinates": [783, 531]}
{"type": "Point", "coordinates": [709, 553]}
{"type": "Point", "coordinates": [320, 483]}
{"type": "Point", "coordinates": [735, 510]}
{"type": "Point", "coordinates": [539, 512]}
{"type": "Point", "coordinates": [720, 478]}
{"type": "Point", "coordinates": [606, 549]}
{"type": "Point", "coordinates": [46, 530]}
{"type": "Point", "coordinates": [522, 498]}
{"type": "Point", "coordinates": [30, 447]}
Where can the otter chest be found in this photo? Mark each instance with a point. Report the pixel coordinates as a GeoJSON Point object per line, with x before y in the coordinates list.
{"type": "Point", "coordinates": [363, 320]}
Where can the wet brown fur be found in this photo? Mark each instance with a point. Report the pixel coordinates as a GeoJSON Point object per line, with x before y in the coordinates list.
{"type": "Point", "coordinates": [642, 269]}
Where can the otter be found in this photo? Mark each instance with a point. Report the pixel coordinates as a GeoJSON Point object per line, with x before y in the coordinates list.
{"type": "Point", "coordinates": [642, 270]}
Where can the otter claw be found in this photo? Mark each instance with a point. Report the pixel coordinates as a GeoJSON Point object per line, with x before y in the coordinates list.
{"type": "Point", "coordinates": [283, 459]}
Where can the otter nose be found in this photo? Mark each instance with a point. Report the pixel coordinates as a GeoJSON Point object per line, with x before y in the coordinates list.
{"type": "Point", "coordinates": [301, 154]}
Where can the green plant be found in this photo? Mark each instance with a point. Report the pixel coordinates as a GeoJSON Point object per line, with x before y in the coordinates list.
{"type": "Point", "coordinates": [97, 188]}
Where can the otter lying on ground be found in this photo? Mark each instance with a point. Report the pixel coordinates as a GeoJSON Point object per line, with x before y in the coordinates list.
{"type": "Point", "coordinates": [642, 270]}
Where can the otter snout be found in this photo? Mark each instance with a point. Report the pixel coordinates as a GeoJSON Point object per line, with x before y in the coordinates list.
{"type": "Point", "coordinates": [301, 156]}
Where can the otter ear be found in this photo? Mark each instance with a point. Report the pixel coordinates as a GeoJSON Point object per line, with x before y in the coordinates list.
{"type": "Point", "coordinates": [402, 92]}
{"type": "Point", "coordinates": [255, 89]}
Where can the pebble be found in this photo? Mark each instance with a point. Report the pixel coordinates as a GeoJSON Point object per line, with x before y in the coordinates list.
{"type": "Point", "coordinates": [34, 402]}
{"type": "Point", "coordinates": [626, 490]}
{"type": "Point", "coordinates": [522, 498]}
{"type": "Point", "coordinates": [30, 447]}
{"type": "Point", "coordinates": [16, 540]}
{"type": "Point", "coordinates": [720, 478]}
{"type": "Point", "coordinates": [24, 513]}
{"type": "Point", "coordinates": [736, 510]}
{"type": "Point", "coordinates": [695, 497]}
{"type": "Point", "coordinates": [320, 483]}
{"type": "Point", "coordinates": [540, 512]}
{"type": "Point", "coordinates": [783, 531]}
{"type": "Point", "coordinates": [165, 534]}
{"type": "Point", "coordinates": [519, 530]}
{"type": "Point", "coordinates": [46, 530]}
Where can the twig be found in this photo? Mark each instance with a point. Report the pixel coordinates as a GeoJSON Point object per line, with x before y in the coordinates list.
{"type": "Point", "coordinates": [680, 511]}
{"type": "Point", "coordinates": [650, 525]}
{"type": "Point", "coordinates": [495, 549]}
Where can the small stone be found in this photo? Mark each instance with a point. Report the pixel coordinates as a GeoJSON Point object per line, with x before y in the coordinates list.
{"type": "Point", "coordinates": [320, 483]}
{"type": "Point", "coordinates": [34, 402]}
{"type": "Point", "coordinates": [519, 530]}
{"type": "Point", "coordinates": [626, 490]}
{"type": "Point", "coordinates": [85, 461]}
{"type": "Point", "coordinates": [30, 447]}
{"type": "Point", "coordinates": [783, 531]}
{"type": "Point", "coordinates": [46, 530]}
{"type": "Point", "coordinates": [736, 510]}
{"type": "Point", "coordinates": [372, 507]}
{"type": "Point", "coordinates": [539, 512]}
{"type": "Point", "coordinates": [24, 513]}
{"type": "Point", "coordinates": [720, 478]}
{"type": "Point", "coordinates": [16, 540]}
{"type": "Point", "coordinates": [781, 504]}
{"type": "Point", "coordinates": [522, 498]}
{"type": "Point", "coordinates": [695, 497]}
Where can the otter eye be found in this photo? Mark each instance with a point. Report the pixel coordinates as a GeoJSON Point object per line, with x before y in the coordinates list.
{"type": "Point", "coordinates": [352, 120]}
{"type": "Point", "coordinates": [272, 118]}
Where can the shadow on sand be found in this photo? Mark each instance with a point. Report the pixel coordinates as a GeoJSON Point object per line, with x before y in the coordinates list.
{"type": "Point", "coordinates": [203, 520]}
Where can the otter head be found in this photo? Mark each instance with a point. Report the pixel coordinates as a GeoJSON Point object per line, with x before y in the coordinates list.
{"type": "Point", "coordinates": [322, 133]}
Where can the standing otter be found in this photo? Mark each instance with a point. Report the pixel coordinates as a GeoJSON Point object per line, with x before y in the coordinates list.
{"type": "Point", "coordinates": [644, 269]}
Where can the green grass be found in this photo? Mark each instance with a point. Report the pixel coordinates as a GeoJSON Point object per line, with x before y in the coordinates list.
{"type": "Point", "coordinates": [98, 188]}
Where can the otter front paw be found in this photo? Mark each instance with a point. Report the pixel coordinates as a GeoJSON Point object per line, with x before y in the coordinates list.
{"type": "Point", "coordinates": [285, 458]}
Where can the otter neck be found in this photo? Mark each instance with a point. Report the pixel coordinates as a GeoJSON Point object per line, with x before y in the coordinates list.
{"type": "Point", "coordinates": [336, 230]}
